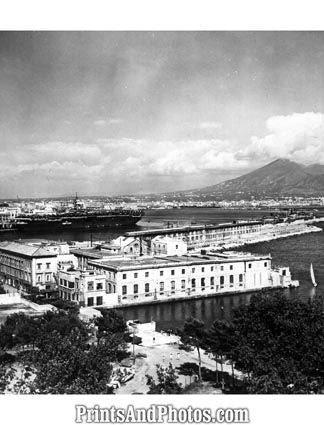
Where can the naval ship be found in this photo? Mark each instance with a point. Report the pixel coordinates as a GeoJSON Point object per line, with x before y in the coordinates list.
{"type": "Point", "coordinates": [79, 218]}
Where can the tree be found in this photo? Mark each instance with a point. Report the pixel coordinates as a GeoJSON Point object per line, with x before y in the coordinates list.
{"type": "Point", "coordinates": [166, 381]}
{"type": "Point", "coordinates": [188, 369]}
{"type": "Point", "coordinates": [110, 322]}
{"type": "Point", "coordinates": [280, 344]}
{"type": "Point", "coordinates": [193, 334]}
{"type": "Point", "coordinates": [220, 340]}
{"type": "Point", "coordinates": [18, 329]}
{"type": "Point", "coordinates": [62, 323]}
{"type": "Point", "coordinates": [66, 365]}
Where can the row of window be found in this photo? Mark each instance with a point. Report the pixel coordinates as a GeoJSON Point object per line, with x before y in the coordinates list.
{"type": "Point", "coordinates": [91, 301]}
{"type": "Point", "coordinates": [91, 286]}
{"type": "Point", "coordinates": [39, 266]}
{"type": "Point", "coordinates": [48, 277]}
{"type": "Point", "coordinates": [183, 284]}
{"type": "Point", "coordinates": [193, 270]}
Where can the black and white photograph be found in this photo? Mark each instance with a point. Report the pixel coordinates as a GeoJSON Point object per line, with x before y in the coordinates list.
{"type": "Point", "coordinates": [161, 215]}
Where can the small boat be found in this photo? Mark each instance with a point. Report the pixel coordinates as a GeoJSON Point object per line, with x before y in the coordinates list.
{"type": "Point", "coordinates": [312, 275]}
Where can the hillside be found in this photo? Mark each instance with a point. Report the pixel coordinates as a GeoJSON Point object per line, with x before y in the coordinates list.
{"type": "Point", "coordinates": [280, 177]}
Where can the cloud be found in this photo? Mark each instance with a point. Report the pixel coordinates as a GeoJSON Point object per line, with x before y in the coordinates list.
{"type": "Point", "coordinates": [109, 121]}
{"type": "Point", "coordinates": [297, 137]}
{"type": "Point", "coordinates": [209, 125]}
{"type": "Point", "coordinates": [105, 164]}
{"type": "Point", "coordinates": [100, 122]}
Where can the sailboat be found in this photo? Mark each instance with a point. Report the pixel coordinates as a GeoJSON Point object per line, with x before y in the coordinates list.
{"type": "Point", "coordinates": [312, 275]}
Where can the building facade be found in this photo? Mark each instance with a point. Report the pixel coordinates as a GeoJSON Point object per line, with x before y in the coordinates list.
{"type": "Point", "coordinates": [84, 287]}
{"type": "Point", "coordinates": [204, 236]}
{"type": "Point", "coordinates": [158, 279]}
{"type": "Point", "coordinates": [24, 266]}
{"type": "Point", "coordinates": [164, 245]}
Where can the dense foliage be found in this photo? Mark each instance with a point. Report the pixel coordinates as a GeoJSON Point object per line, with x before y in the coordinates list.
{"type": "Point", "coordinates": [277, 343]}
{"type": "Point", "coordinates": [61, 354]}
{"type": "Point", "coordinates": [166, 381]}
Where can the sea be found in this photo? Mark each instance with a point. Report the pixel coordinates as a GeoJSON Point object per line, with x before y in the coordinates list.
{"type": "Point", "coordinates": [297, 252]}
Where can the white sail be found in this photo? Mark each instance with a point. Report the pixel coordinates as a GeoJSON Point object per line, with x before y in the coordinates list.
{"type": "Point", "coordinates": [312, 275]}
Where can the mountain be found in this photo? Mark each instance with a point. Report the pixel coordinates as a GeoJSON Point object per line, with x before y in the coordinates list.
{"type": "Point", "coordinates": [280, 177]}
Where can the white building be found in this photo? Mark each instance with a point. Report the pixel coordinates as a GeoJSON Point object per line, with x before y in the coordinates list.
{"type": "Point", "coordinates": [157, 279]}
{"type": "Point", "coordinates": [25, 266]}
{"type": "Point", "coordinates": [84, 287]}
{"type": "Point", "coordinates": [124, 245]}
{"type": "Point", "coordinates": [34, 263]}
{"type": "Point", "coordinates": [164, 245]}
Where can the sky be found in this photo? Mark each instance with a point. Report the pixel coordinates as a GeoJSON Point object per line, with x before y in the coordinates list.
{"type": "Point", "coordinates": [102, 113]}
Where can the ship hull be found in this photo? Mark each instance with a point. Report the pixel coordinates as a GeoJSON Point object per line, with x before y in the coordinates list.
{"type": "Point", "coordinates": [79, 223]}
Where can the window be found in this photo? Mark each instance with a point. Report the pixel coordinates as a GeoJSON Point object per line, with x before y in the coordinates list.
{"type": "Point", "coordinates": [222, 281]}
{"type": "Point", "coordinates": [38, 278]}
{"type": "Point", "coordinates": [90, 286]}
{"type": "Point", "coordinates": [193, 270]}
{"type": "Point", "coordinates": [90, 302]}
{"type": "Point", "coordinates": [183, 284]}
{"type": "Point", "coordinates": [99, 286]}
{"type": "Point", "coordinates": [135, 288]}
{"type": "Point", "coordinates": [172, 272]}
{"type": "Point", "coordinates": [203, 283]}
{"type": "Point", "coordinates": [146, 274]}
{"type": "Point", "coordinates": [39, 265]}
{"type": "Point", "coordinates": [48, 265]}
{"type": "Point", "coordinates": [203, 269]}
{"type": "Point", "coordinates": [265, 264]}
{"type": "Point", "coordinates": [71, 285]}
{"type": "Point", "coordinates": [177, 246]}
{"type": "Point", "coordinates": [124, 275]}
{"type": "Point", "coordinates": [231, 267]}
{"type": "Point", "coordinates": [161, 272]}
{"type": "Point", "coordinates": [222, 268]}
{"type": "Point", "coordinates": [172, 285]}
{"type": "Point", "coordinates": [231, 279]}
{"type": "Point", "coordinates": [124, 289]}
{"type": "Point", "coordinates": [240, 278]}
{"type": "Point", "coordinates": [99, 300]}
{"type": "Point", "coordinates": [161, 287]}
{"type": "Point", "coordinates": [183, 271]}
{"type": "Point", "coordinates": [193, 284]}
{"type": "Point", "coordinates": [250, 266]}
{"type": "Point", "coordinates": [212, 281]}
{"type": "Point", "coordinates": [212, 268]}
{"type": "Point", "coordinates": [135, 275]}
{"type": "Point", "coordinates": [48, 277]}
{"type": "Point", "coordinates": [147, 287]}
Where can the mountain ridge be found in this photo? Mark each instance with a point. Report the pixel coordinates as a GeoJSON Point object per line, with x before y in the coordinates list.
{"type": "Point", "coordinates": [279, 177]}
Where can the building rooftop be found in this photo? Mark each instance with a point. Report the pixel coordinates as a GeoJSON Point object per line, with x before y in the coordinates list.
{"type": "Point", "coordinates": [25, 250]}
{"type": "Point", "coordinates": [185, 260]}
{"type": "Point", "coordinates": [90, 252]}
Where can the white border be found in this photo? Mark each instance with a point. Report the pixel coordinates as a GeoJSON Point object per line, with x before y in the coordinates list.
{"type": "Point", "coordinates": [161, 15]}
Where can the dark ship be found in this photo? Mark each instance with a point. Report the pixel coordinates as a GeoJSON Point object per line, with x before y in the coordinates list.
{"type": "Point", "coordinates": [79, 218]}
